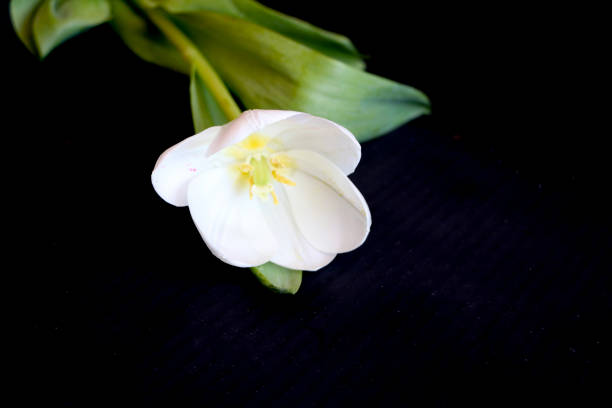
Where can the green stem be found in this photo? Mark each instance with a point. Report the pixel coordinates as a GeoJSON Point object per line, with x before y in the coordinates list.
{"type": "Point", "coordinates": [191, 53]}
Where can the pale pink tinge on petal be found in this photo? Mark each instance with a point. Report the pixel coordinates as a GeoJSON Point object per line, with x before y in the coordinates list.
{"type": "Point", "coordinates": [179, 164]}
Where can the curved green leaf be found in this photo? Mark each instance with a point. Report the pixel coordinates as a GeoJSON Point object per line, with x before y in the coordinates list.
{"type": "Point", "coordinates": [22, 15]}
{"type": "Point", "coordinates": [204, 108]}
{"type": "Point", "coordinates": [58, 20]}
{"type": "Point", "coordinates": [145, 41]}
{"type": "Point", "coordinates": [334, 45]}
{"type": "Point", "coordinates": [269, 71]}
{"type": "Point", "coordinates": [277, 278]}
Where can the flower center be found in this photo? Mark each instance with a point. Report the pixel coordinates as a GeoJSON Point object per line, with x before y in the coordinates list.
{"type": "Point", "coordinates": [261, 165]}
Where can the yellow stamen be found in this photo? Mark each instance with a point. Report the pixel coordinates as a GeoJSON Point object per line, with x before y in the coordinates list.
{"type": "Point", "coordinates": [280, 161]}
{"type": "Point", "coordinates": [274, 197]}
{"type": "Point", "coordinates": [276, 162]}
{"type": "Point", "coordinates": [245, 168]}
{"type": "Point", "coordinates": [259, 165]}
{"type": "Point", "coordinates": [282, 179]}
{"type": "Point", "coordinates": [255, 141]}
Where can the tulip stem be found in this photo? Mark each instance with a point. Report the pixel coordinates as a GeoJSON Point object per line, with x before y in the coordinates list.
{"type": "Point", "coordinates": [191, 53]}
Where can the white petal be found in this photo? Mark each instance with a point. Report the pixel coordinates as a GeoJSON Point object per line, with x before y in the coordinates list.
{"type": "Point", "coordinates": [178, 165]}
{"type": "Point", "coordinates": [307, 132]}
{"type": "Point", "coordinates": [249, 122]}
{"type": "Point", "coordinates": [231, 224]}
{"type": "Point", "coordinates": [329, 210]}
{"type": "Point", "coordinates": [294, 251]}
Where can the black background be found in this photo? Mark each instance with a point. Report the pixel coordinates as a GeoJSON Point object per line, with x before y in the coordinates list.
{"type": "Point", "coordinates": [486, 270]}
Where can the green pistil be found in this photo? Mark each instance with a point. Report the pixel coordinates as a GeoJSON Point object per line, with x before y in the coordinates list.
{"type": "Point", "coordinates": [262, 175]}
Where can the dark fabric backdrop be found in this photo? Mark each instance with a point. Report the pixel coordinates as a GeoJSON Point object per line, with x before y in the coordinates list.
{"type": "Point", "coordinates": [487, 268]}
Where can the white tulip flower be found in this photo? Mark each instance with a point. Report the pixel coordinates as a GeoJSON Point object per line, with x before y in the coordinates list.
{"type": "Point", "coordinates": [270, 186]}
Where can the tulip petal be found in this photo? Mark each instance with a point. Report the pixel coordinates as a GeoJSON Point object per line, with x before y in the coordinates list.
{"type": "Point", "coordinates": [329, 210]}
{"type": "Point", "coordinates": [308, 132]}
{"type": "Point", "coordinates": [294, 251]}
{"type": "Point", "coordinates": [231, 224]}
{"type": "Point", "coordinates": [249, 122]}
{"type": "Point", "coordinates": [178, 165]}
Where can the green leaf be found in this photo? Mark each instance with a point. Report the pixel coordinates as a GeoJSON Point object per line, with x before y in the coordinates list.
{"type": "Point", "coordinates": [204, 108]}
{"type": "Point", "coordinates": [58, 20]}
{"type": "Point", "coordinates": [144, 40]}
{"type": "Point", "coordinates": [270, 71]}
{"type": "Point", "coordinates": [22, 15]}
{"type": "Point", "coordinates": [334, 45]}
{"type": "Point", "coordinates": [277, 278]}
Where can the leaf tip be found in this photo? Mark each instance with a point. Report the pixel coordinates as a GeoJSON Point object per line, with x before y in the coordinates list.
{"type": "Point", "coordinates": [278, 279]}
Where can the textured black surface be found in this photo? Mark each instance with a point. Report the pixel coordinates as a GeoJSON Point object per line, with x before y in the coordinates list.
{"type": "Point", "coordinates": [484, 270]}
